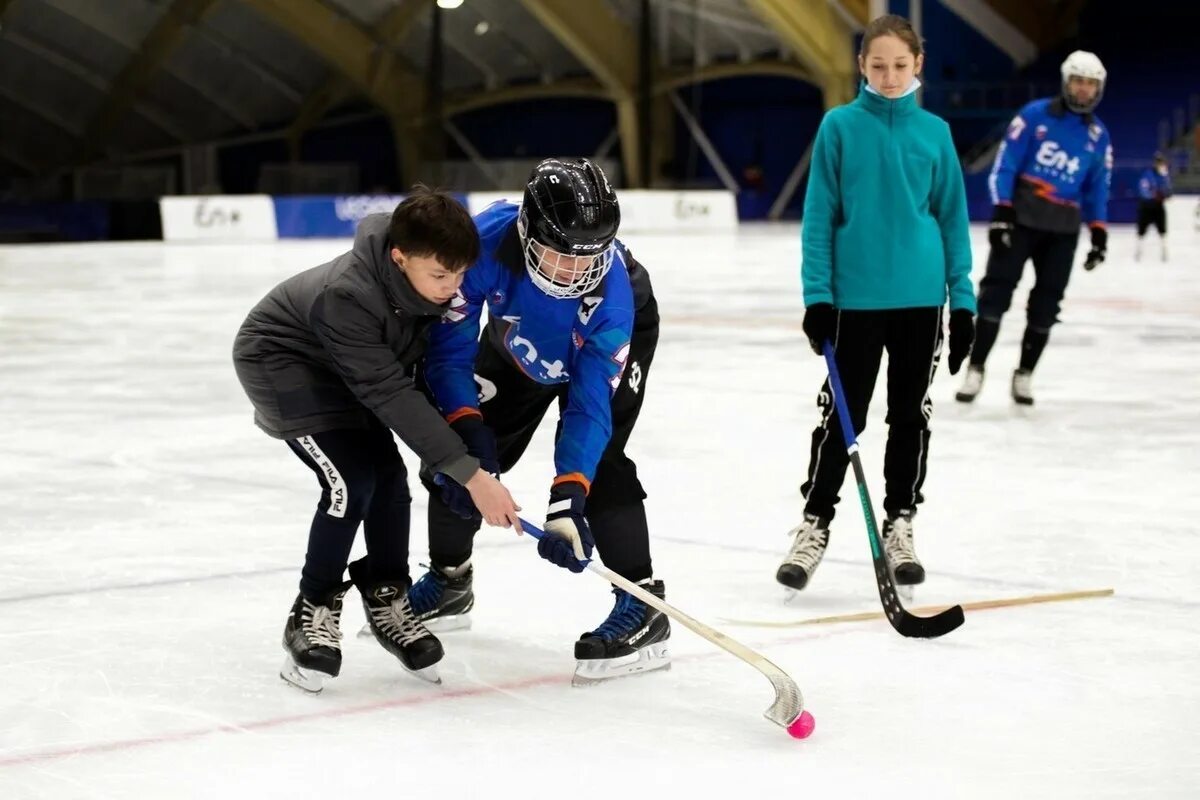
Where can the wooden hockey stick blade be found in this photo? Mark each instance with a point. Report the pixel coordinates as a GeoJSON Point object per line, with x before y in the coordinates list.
{"type": "Point", "coordinates": [978, 605]}
{"type": "Point", "coordinates": [789, 703]}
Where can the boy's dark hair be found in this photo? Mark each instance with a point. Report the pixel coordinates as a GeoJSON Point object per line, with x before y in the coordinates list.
{"type": "Point", "coordinates": [432, 224]}
{"type": "Point", "coordinates": [891, 25]}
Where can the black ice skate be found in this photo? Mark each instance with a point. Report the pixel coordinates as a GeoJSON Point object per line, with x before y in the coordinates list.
{"type": "Point", "coordinates": [633, 639]}
{"type": "Point", "coordinates": [1022, 387]}
{"type": "Point", "coordinates": [808, 548]}
{"type": "Point", "coordinates": [312, 639]}
{"type": "Point", "coordinates": [898, 549]}
{"type": "Point", "coordinates": [444, 597]}
{"type": "Point", "coordinates": [394, 625]}
{"type": "Point", "coordinates": [972, 383]}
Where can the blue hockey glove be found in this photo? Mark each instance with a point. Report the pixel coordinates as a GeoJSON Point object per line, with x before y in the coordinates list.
{"type": "Point", "coordinates": [568, 540]}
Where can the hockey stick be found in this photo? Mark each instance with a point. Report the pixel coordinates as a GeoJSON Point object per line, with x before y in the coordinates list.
{"type": "Point", "coordinates": [788, 707]}
{"type": "Point", "coordinates": [905, 623]}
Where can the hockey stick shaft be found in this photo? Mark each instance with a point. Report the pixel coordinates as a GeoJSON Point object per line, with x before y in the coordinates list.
{"type": "Point", "coordinates": [788, 700]}
{"type": "Point", "coordinates": [905, 623]}
{"type": "Point", "coordinates": [978, 605]}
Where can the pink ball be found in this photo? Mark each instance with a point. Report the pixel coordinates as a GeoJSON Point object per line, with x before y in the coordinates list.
{"type": "Point", "coordinates": [802, 726]}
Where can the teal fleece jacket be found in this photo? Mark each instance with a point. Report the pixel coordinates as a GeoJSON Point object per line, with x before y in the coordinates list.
{"type": "Point", "coordinates": [885, 218]}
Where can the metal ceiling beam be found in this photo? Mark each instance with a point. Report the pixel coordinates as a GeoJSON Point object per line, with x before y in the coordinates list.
{"type": "Point", "coordinates": [579, 87]}
{"type": "Point", "coordinates": [391, 29]}
{"type": "Point", "coordinates": [589, 88]}
{"type": "Point", "coordinates": [94, 16]}
{"type": "Point", "coordinates": [819, 38]}
{"type": "Point", "coordinates": [591, 32]}
{"type": "Point", "coordinates": [137, 73]}
{"type": "Point", "coordinates": [350, 50]}
{"type": "Point", "coordinates": [44, 113]}
{"type": "Point", "coordinates": [67, 64]}
{"type": "Point", "coordinates": [268, 74]}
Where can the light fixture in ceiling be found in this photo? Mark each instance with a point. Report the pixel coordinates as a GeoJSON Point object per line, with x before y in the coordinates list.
{"type": "Point", "coordinates": [448, 4]}
{"type": "Point", "coordinates": [482, 27]}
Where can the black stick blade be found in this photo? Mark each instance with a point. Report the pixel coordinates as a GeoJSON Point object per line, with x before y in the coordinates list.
{"type": "Point", "coordinates": [909, 624]}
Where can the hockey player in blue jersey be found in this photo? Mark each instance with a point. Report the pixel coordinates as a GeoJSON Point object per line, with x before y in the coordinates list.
{"type": "Point", "coordinates": [1153, 190]}
{"type": "Point", "coordinates": [572, 320]}
{"type": "Point", "coordinates": [1052, 171]}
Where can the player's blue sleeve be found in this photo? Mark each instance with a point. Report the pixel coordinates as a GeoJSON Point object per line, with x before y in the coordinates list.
{"type": "Point", "coordinates": [1166, 186]}
{"type": "Point", "coordinates": [1146, 185]}
{"type": "Point", "coordinates": [587, 419]}
{"type": "Point", "coordinates": [1094, 203]}
{"type": "Point", "coordinates": [822, 201]}
{"type": "Point", "coordinates": [1009, 158]}
{"type": "Point", "coordinates": [453, 343]}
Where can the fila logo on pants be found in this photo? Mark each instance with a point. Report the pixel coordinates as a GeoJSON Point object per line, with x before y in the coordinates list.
{"type": "Point", "coordinates": [333, 478]}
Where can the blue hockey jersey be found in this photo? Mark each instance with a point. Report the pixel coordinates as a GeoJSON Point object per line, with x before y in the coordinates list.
{"type": "Point", "coordinates": [1053, 167]}
{"type": "Point", "coordinates": [582, 342]}
{"type": "Point", "coordinates": [1153, 186]}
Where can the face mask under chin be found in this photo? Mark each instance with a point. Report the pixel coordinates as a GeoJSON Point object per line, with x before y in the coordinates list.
{"type": "Point", "coordinates": [564, 276]}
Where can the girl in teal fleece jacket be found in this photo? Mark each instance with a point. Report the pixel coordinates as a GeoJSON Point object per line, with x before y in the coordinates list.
{"type": "Point", "coordinates": [885, 243]}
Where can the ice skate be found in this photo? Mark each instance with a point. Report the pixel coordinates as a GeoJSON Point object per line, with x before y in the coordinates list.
{"type": "Point", "coordinates": [972, 383]}
{"type": "Point", "coordinates": [807, 550]}
{"type": "Point", "coordinates": [312, 639]}
{"type": "Point", "coordinates": [1022, 387]}
{"type": "Point", "coordinates": [898, 549]}
{"type": "Point", "coordinates": [632, 640]}
{"type": "Point", "coordinates": [392, 622]}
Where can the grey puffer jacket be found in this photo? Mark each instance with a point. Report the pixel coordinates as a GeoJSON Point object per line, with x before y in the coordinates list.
{"type": "Point", "coordinates": [335, 343]}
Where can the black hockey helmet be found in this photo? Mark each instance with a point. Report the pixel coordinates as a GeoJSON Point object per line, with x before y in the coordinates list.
{"type": "Point", "coordinates": [568, 221]}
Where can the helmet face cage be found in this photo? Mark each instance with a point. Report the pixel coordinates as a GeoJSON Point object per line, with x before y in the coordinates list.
{"type": "Point", "coordinates": [559, 274]}
{"type": "Point", "coordinates": [1082, 64]}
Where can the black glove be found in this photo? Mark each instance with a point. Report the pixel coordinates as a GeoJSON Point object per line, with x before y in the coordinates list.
{"type": "Point", "coordinates": [820, 325]}
{"type": "Point", "coordinates": [481, 443]}
{"type": "Point", "coordinates": [1099, 248]}
{"type": "Point", "coordinates": [1000, 232]}
{"type": "Point", "coordinates": [568, 540]}
{"type": "Point", "coordinates": [962, 336]}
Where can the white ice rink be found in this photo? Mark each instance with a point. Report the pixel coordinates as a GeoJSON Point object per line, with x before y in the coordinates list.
{"type": "Point", "coordinates": [151, 538]}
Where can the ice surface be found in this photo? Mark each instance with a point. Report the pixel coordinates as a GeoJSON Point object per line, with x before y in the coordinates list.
{"type": "Point", "coordinates": [151, 539]}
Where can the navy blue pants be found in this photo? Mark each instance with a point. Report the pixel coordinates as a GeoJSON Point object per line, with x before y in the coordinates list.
{"type": "Point", "coordinates": [363, 482]}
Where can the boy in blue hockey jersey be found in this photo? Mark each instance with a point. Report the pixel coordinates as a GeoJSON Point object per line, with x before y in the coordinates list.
{"type": "Point", "coordinates": [572, 319]}
{"type": "Point", "coordinates": [1052, 170]}
{"type": "Point", "coordinates": [1153, 190]}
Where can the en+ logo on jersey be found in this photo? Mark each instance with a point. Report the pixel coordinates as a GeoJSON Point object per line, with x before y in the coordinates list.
{"type": "Point", "coordinates": [1056, 161]}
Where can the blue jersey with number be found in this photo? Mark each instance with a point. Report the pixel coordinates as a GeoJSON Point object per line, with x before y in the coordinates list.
{"type": "Point", "coordinates": [582, 341]}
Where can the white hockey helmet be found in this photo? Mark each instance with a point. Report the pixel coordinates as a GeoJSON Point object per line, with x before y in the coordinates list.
{"type": "Point", "coordinates": [1082, 64]}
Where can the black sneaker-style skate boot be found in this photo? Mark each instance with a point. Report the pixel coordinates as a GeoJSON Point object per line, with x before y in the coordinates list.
{"type": "Point", "coordinates": [898, 549]}
{"type": "Point", "coordinates": [313, 640]}
{"type": "Point", "coordinates": [1022, 387]}
{"type": "Point", "coordinates": [633, 639]}
{"type": "Point", "coordinates": [443, 598]}
{"type": "Point", "coordinates": [972, 383]}
{"type": "Point", "coordinates": [807, 550]}
{"type": "Point", "coordinates": [395, 626]}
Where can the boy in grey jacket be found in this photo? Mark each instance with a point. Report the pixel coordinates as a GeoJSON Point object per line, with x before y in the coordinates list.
{"type": "Point", "coordinates": [327, 359]}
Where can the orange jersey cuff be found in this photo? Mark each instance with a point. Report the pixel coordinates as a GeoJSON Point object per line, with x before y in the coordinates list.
{"type": "Point", "coordinates": [576, 477]}
{"type": "Point", "coordinates": [465, 411]}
